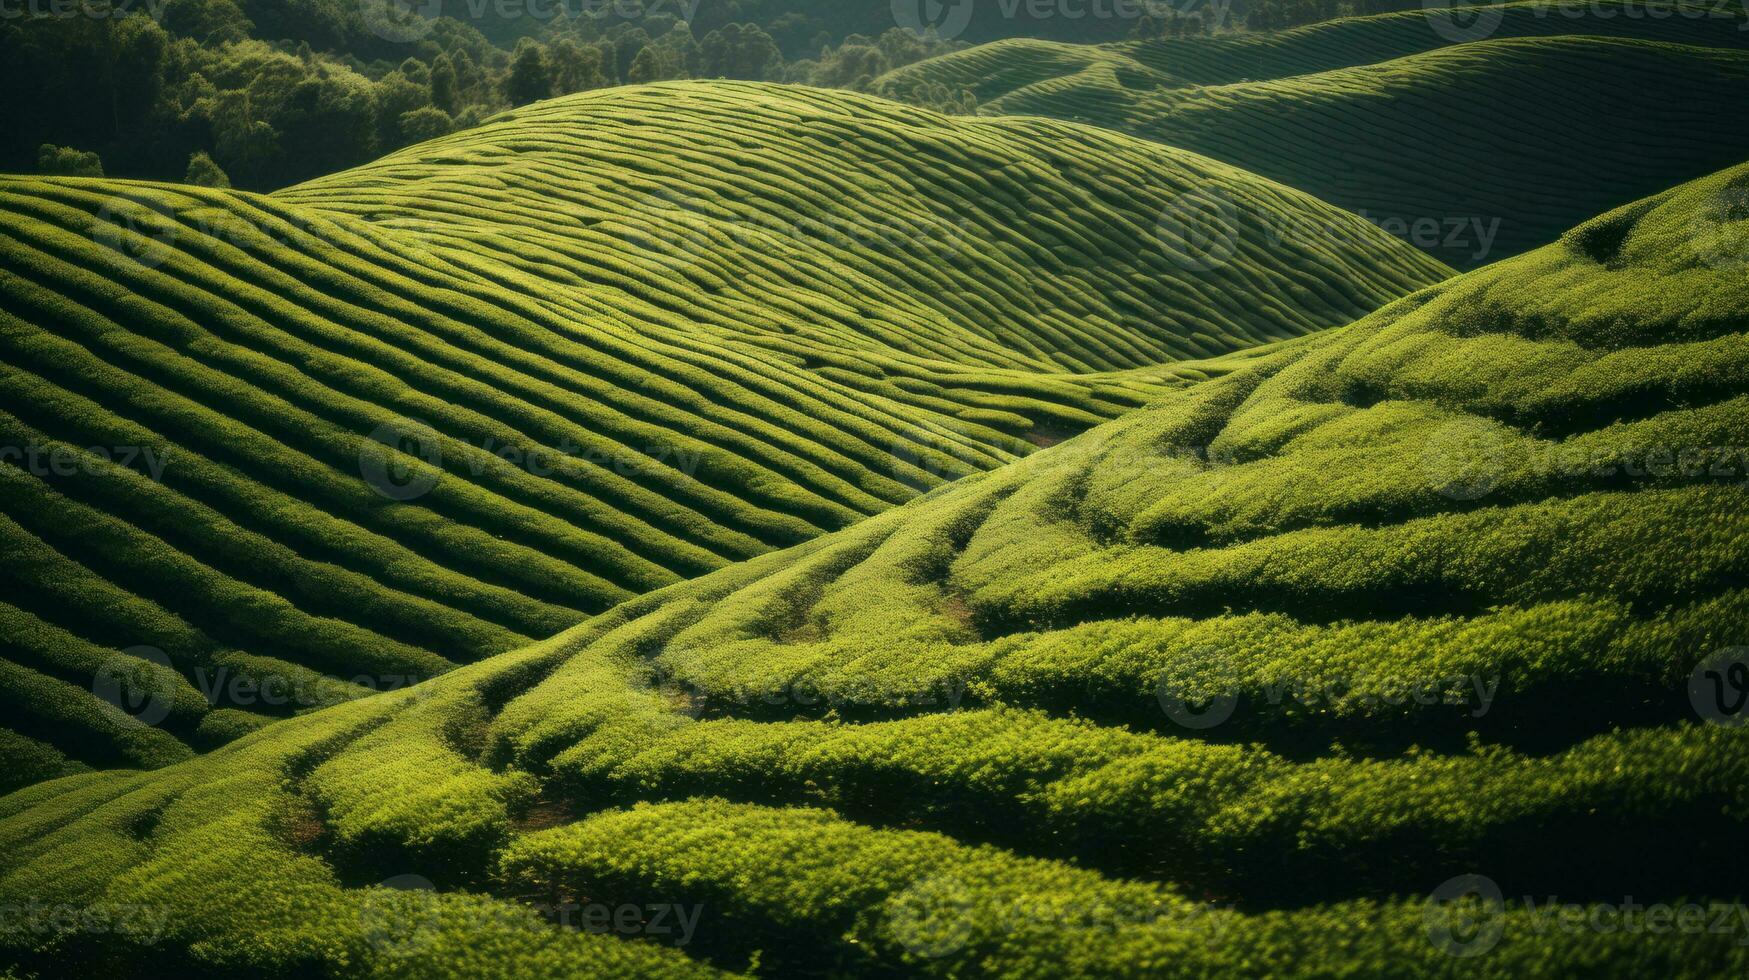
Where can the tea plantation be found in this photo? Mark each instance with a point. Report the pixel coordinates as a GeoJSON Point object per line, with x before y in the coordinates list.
{"type": "Point", "coordinates": [1466, 150]}
{"type": "Point", "coordinates": [267, 453]}
{"type": "Point", "coordinates": [1251, 681]}
{"type": "Point", "coordinates": [996, 69]}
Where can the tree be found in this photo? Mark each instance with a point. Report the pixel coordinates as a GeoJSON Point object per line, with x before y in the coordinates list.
{"type": "Point", "coordinates": [444, 94]}
{"type": "Point", "coordinates": [467, 75]}
{"type": "Point", "coordinates": [646, 68]}
{"type": "Point", "coordinates": [679, 52]}
{"type": "Point", "coordinates": [740, 51]}
{"type": "Point", "coordinates": [530, 78]}
{"type": "Point", "coordinates": [626, 43]}
{"type": "Point", "coordinates": [426, 123]}
{"type": "Point", "coordinates": [248, 144]}
{"type": "Point", "coordinates": [397, 94]}
{"type": "Point", "coordinates": [575, 68]}
{"type": "Point", "coordinates": [65, 161]}
{"type": "Point", "coordinates": [210, 22]}
{"type": "Point", "coordinates": [203, 172]}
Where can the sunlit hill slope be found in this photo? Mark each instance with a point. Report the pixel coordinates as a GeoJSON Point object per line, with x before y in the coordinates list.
{"type": "Point", "coordinates": [1139, 704]}
{"type": "Point", "coordinates": [348, 436]}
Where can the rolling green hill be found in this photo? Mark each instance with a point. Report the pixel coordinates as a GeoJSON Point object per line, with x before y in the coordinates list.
{"type": "Point", "coordinates": [347, 437]}
{"type": "Point", "coordinates": [1240, 680]}
{"type": "Point", "coordinates": [1471, 151]}
{"type": "Point", "coordinates": [806, 221]}
{"type": "Point", "coordinates": [1001, 68]}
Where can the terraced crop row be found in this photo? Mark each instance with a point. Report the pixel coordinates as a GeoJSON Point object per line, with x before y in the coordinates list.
{"type": "Point", "coordinates": [1467, 194]}
{"type": "Point", "coordinates": [1464, 192]}
{"type": "Point", "coordinates": [807, 222]}
{"type": "Point", "coordinates": [1249, 681]}
{"type": "Point", "coordinates": [1001, 68]}
{"type": "Point", "coordinates": [295, 441]}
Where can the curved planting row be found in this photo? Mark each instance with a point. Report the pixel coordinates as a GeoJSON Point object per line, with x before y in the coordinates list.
{"type": "Point", "coordinates": [1386, 651]}
{"type": "Point", "coordinates": [266, 453]}
{"type": "Point", "coordinates": [1378, 114]}
{"type": "Point", "coordinates": [800, 223]}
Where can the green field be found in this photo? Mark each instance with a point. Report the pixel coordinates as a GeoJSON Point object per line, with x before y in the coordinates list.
{"type": "Point", "coordinates": [607, 366]}
{"type": "Point", "coordinates": [975, 734]}
{"type": "Point", "coordinates": [1223, 503]}
{"type": "Point", "coordinates": [1466, 150]}
{"type": "Point", "coordinates": [1001, 68]}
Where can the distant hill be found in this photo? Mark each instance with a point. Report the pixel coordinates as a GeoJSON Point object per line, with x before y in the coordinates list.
{"type": "Point", "coordinates": [1253, 681]}
{"type": "Point", "coordinates": [1397, 141]}
{"type": "Point", "coordinates": [443, 406]}
{"type": "Point", "coordinates": [999, 68]}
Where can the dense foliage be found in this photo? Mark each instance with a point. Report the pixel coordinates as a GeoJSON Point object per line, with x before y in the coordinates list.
{"type": "Point", "coordinates": [1245, 682]}
{"type": "Point", "coordinates": [195, 384]}
{"type": "Point", "coordinates": [1293, 105]}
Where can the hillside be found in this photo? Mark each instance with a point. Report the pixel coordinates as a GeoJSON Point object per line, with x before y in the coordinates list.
{"type": "Point", "coordinates": [1399, 141]}
{"type": "Point", "coordinates": [1000, 68]}
{"type": "Point", "coordinates": [1240, 679]}
{"type": "Point", "coordinates": [455, 402]}
{"type": "Point", "coordinates": [815, 220]}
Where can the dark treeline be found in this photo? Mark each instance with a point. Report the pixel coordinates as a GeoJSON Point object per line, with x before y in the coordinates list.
{"type": "Point", "coordinates": [266, 93]}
